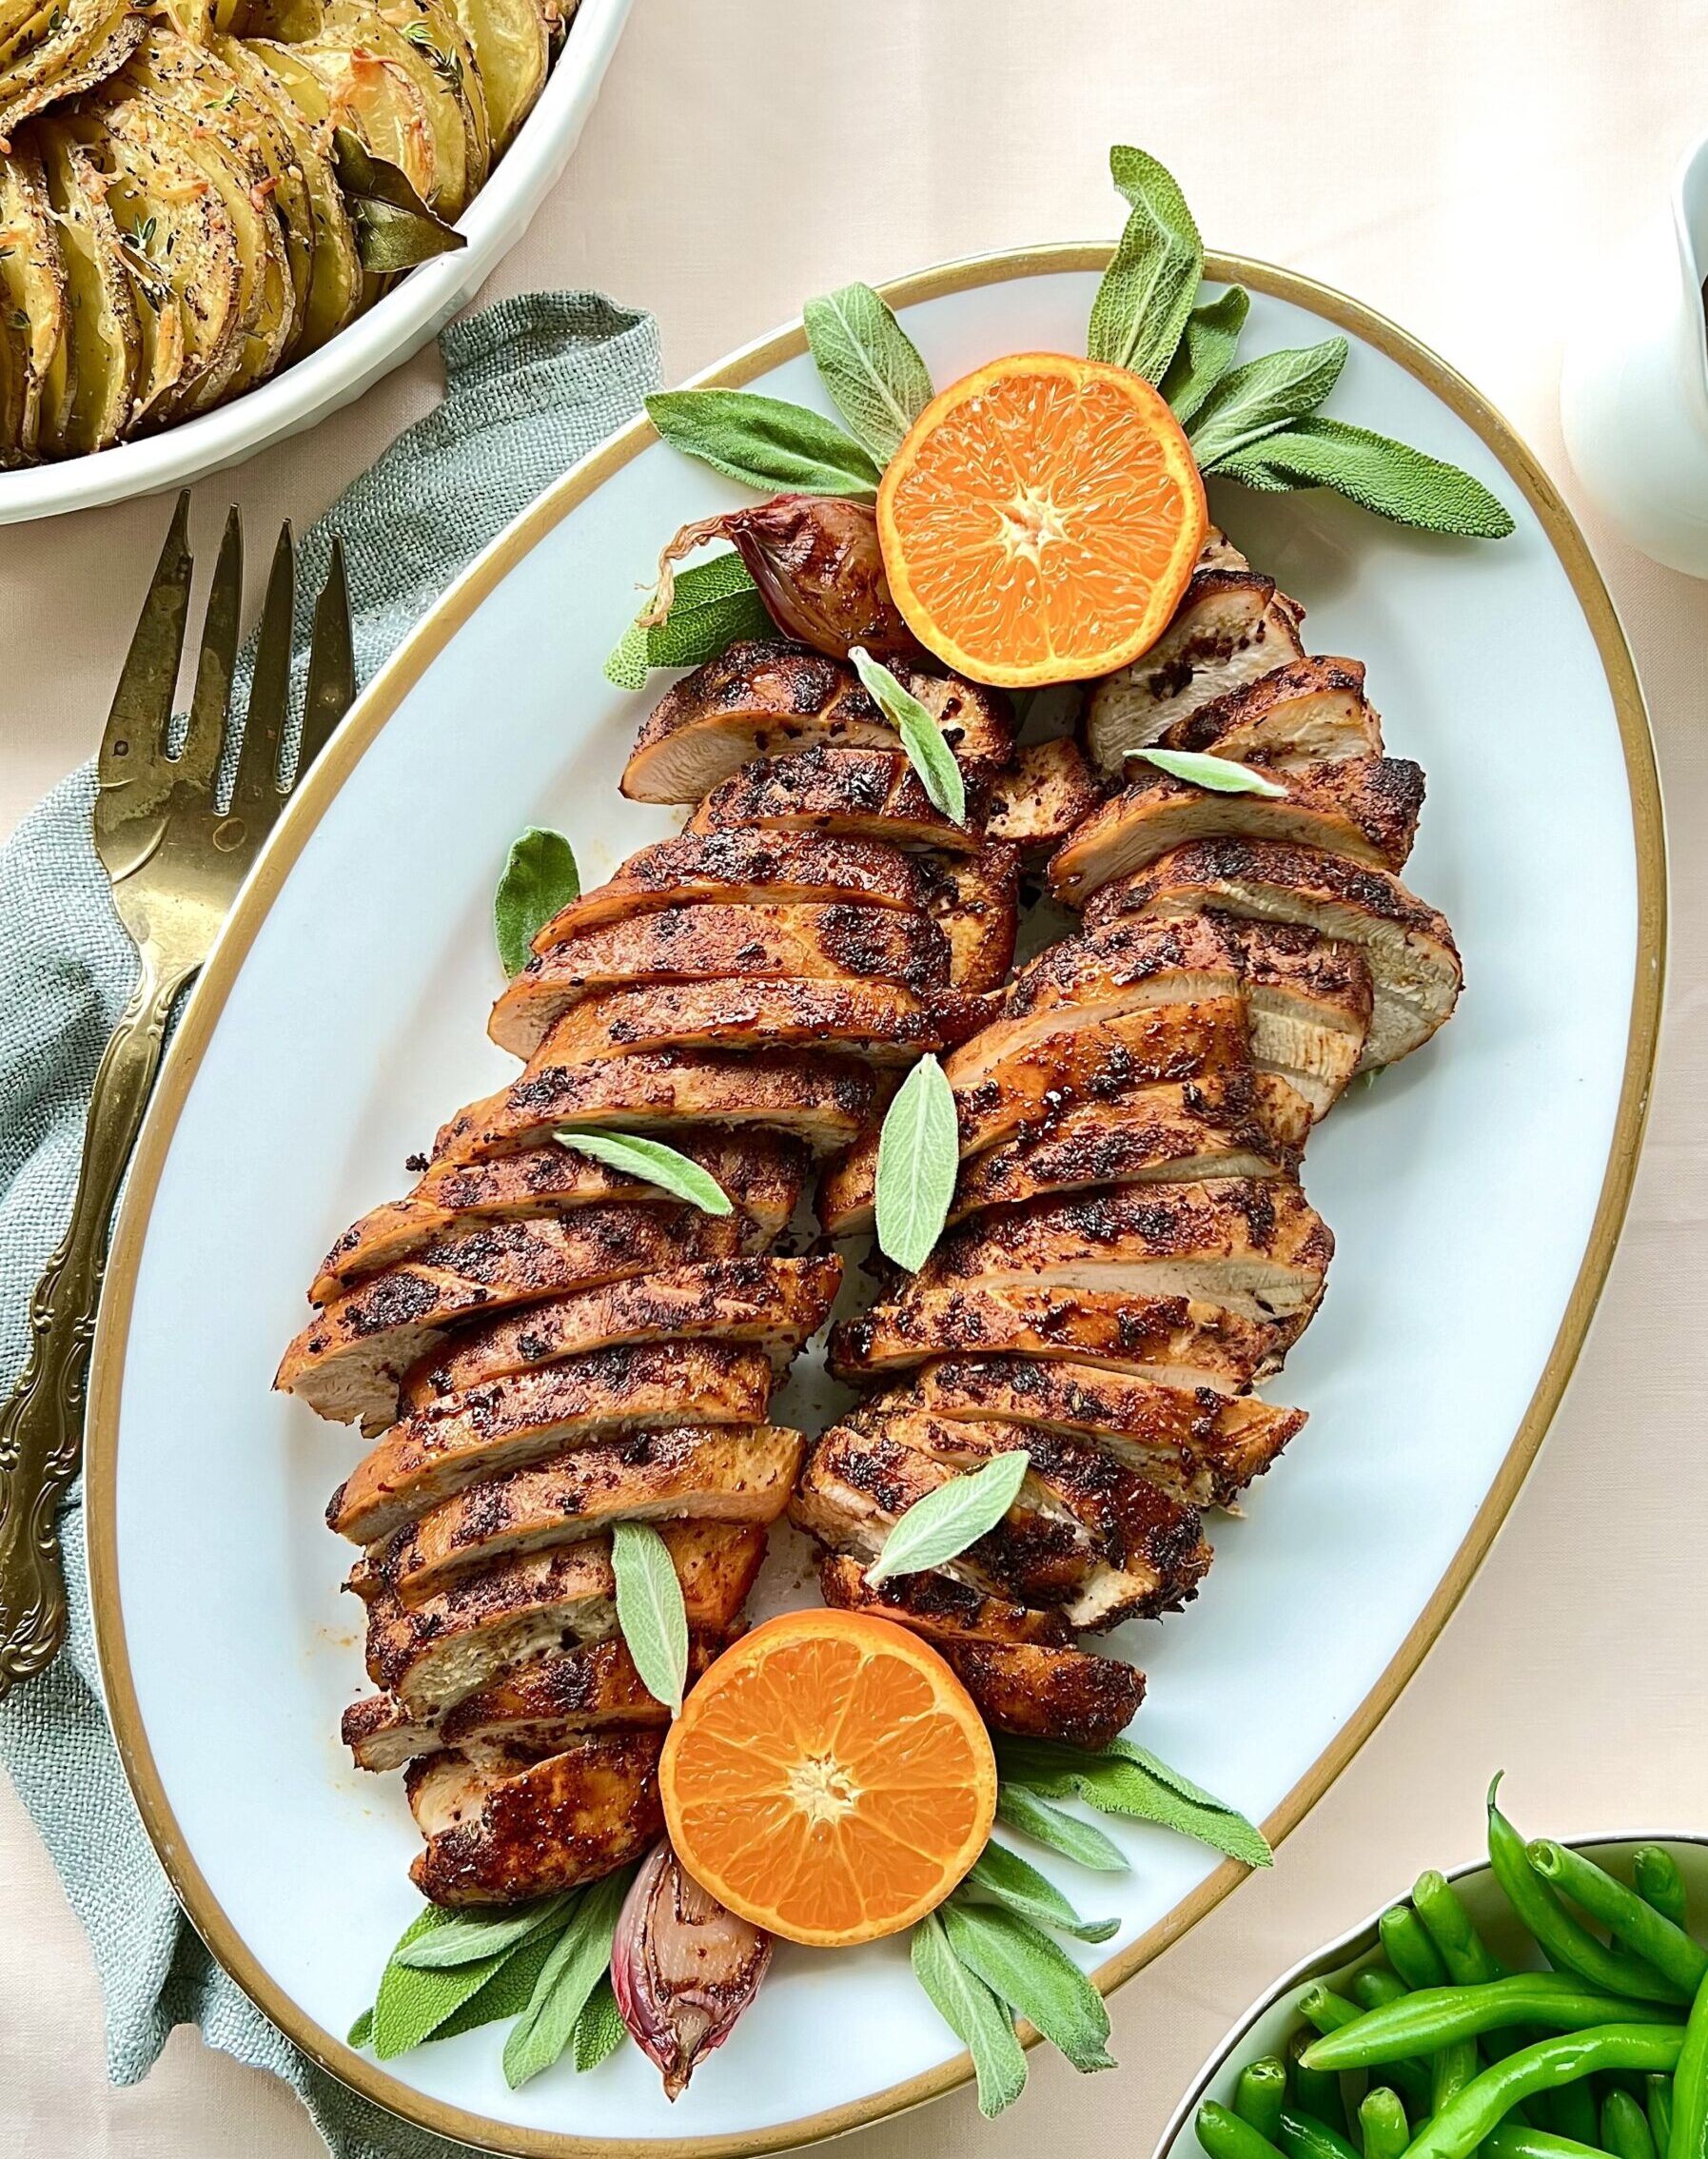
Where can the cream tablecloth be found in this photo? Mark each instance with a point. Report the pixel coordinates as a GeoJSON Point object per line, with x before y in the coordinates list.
{"type": "Point", "coordinates": [1460, 166]}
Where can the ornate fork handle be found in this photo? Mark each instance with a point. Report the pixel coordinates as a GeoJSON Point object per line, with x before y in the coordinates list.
{"type": "Point", "coordinates": [41, 1429]}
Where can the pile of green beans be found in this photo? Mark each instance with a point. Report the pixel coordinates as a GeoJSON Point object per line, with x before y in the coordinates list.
{"type": "Point", "coordinates": [1603, 2055]}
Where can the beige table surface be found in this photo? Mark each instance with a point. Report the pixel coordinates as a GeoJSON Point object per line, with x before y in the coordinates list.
{"type": "Point", "coordinates": [1459, 164]}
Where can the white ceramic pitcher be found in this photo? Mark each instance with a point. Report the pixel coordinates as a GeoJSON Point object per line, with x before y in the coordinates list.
{"type": "Point", "coordinates": [1634, 391]}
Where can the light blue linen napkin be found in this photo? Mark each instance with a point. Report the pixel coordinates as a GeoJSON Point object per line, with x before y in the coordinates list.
{"type": "Point", "coordinates": [531, 385]}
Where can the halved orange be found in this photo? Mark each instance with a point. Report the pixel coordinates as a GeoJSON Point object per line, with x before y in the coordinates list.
{"type": "Point", "coordinates": [829, 1778]}
{"type": "Point", "coordinates": [1041, 519]}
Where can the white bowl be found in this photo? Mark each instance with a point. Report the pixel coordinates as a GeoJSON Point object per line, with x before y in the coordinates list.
{"type": "Point", "coordinates": [1272, 2019]}
{"type": "Point", "coordinates": [417, 309]}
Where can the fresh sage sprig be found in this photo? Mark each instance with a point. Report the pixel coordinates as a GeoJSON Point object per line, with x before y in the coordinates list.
{"type": "Point", "coordinates": [1034, 1976]}
{"type": "Point", "coordinates": [1006, 1878]}
{"type": "Point", "coordinates": [1147, 294]}
{"type": "Point", "coordinates": [921, 737]}
{"type": "Point", "coordinates": [973, 2014]}
{"type": "Point", "coordinates": [1389, 478]}
{"type": "Point", "coordinates": [468, 1939]}
{"type": "Point", "coordinates": [1053, 1827]}
{"type": "Point", "coordinates": [1262, 397]}
{"type": "Point", "coordinates": [1128, 1781]}
{"type": "Point", "coordinates": [713, 605]}
{"type": "Point", "coordinates": [1217, 776]}
{"type": "Point", "coordinates": [869, 365]}
{"type": "Point", "coordinates": [581, 1958]}
{"type": "Point", "coordinates": [1206, 352]}
{"type": "Point", "coordinates": [919, 1159]}
{"type": "Point", "coordinates": [944, 1522]}
{"type": "Point", "coordinates": [540, 879]}
{"type": "Point", "coordinates": [650, 1610]}
{"type": "Point", "coordinates": [764, 441]}
{"type": "Point", "coordinates": [652, 1161]}
{"type": "Point", "coordinates": [600, 2029]}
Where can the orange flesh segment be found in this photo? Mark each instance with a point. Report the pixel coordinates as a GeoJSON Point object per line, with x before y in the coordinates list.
{"type": "Point", "coordinates": [829, 1778]}
{"type": "Point", "coordinates": [1041, 519]}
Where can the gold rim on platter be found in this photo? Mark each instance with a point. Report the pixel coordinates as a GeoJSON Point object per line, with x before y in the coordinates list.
{"type": "Point", "coordinates": [368, 716]}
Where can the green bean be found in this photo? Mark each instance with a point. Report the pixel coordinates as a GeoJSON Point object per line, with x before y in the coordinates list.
{"type": "Point", "coordinates": [1659, 1883]}
{"type": "Point", "coordinates": [1381, 2122]}
{"type": "Point", "coordinates": [1547, 2067]}
{"type": "Point", "coordinates": [1509, 2143]}
{"type": "Point", "coordinates": [1468, 1961]}
{"type": "Point", "coordinates": [1305, 2135]}
{"type": "Point", "coordinates": [1659, 2107]}
{"type": "Point", "coordinates": [1259, 2095]}
{"type": "Point", "coordinates": [1573, 2108]}
{"type": "Point", "coordinates": [1562, 1940]}
{"type": "Point", "coordinates": [1317, 2093]}
{"type": "Point", "coordinates": [1224, 2136]}
{"type": "Point", "coordinates": [1667, 1948]}
{"type": "Point", "coordinates": [1626, 2129]}
{"type": "Point", "coordinates": [1327, 2010]}
{"type": "Point", "coordinates": [1435, 2016]}
{"type": "Point", "coordinates": [1454, 2067]}
{"type": "Point", "coordinates": [1688, 2137]}
{"type": "Point", "coordinates": [1373, 1988]}
{"type": "Point", "coordinates": [1410, 1948]}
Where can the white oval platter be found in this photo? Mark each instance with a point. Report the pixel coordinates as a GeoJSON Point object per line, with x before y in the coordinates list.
{"type": "Point", "coordinates": [1475, 1193]}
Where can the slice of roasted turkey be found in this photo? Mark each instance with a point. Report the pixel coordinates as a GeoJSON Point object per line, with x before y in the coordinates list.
{"type": "Point", "coordinates": [1306, 713]}
{"type": "Point", "coordinates": [845, 793]}
{"type": "Point", "coordinates": [881, 1022]}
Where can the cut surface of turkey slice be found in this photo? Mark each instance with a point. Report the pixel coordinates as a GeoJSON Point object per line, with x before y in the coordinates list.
{"type": "Point", "coordinates": [760, 698]}
{"type": "Point", "coordinates": [1177, 1342]}
{"type": "Point", "coordinates": [547, 1826]}
{"type": "Point", "coordinates": [712, 942]}
{"type": "Point", "coordinates": [936, 1605]}
{"type": "Point", "coordinates": [848, 794]}
{"type": "Point", "coordinates": [855, 1484]}
{"type": "Point", "coordinates": [775, 1304]}
{"type": "Point", "coordinates": [1414, 964]}
{"type": "Point", "coordinates": [879, 1021]}
{"type": "Point", "coordinates": [1306, 713]}
{"type": "Point", "coordinates": [348, 1362]}
{"type": "Point", "coordinates": [1037, 1693]}
{"type": "Point", "coordinates": [512, 1422]}
{"type": "Point", "coordinates": [1364, 808]}
{"type": "Point", "coordinates": [1044, 1076]}
{"type": "Point", "coordinates": [1255, 1247]}
{"type": "Point", "coordinates": [822, 1101]}
{"type": "Point", "coordinates": [1047, 791]}
{"type": "Point", "coordinates": [710, 1473]}
{"type": "Point", "coordinates": [763, 1172]}
{"type": "Point", "coordinates": [1231, 627]}
{"type": "Point", "coordinates": [1203, 1447]}
{"type": "Point", "coordinates": [975, 902]}
{"type": "Point", "coordinates": [436, 1655]}
{"type": "Point", "coordinates": [741, 868]}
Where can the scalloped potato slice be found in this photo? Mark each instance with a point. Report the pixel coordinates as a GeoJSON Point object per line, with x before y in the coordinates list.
{"type": "Point", "coordinates": [509, 38]}
{"type": "Point", "coordinates": [381, 104]}
{"type": "Point", "coordinates": [100, 324]}
{"type": "Point", "coordinates": [435, 31]}
{"type": "Point", "coordinates": [32, 285]}
{"type": "Point", "coordinates": [69, 46]}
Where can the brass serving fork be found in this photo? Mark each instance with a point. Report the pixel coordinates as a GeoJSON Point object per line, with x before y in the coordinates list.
{"type": "Point", "coordinates": [176, 859]}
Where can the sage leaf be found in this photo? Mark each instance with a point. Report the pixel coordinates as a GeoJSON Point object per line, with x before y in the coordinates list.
{"type": "Point", "coordinates": [1025, 1968]}
{"type": "Point", "coordinates": [360, 2033]}
{"type": "Point", "coordinates": [600, 2029]}
{"type": "Point", "coordinates": [659, 1165]}
{"type": "Point", "coordinates": [540, 879]}
{"type": "Point", "coordinates": [410, 2005]}
{"type": "Point", "coordinates": [1131, 1782]}
{"type": "Point", "coordinates": [1218, 776]}
{"type": "Point", "coordinates": [764, 441]}
{"type": "Point", "coordinates": [1206, 352]}
{"type": "Point", "coordinates": [869, 365]}
{"type": "Point", "coordinates": [1374, 471]}
{"type": "Point", "coordinates": [1008, 1879]}
{"type": "Point", "coordinates": [975, 2015]}
{"type": "Point", "coordinates": [581, 1958]}
{"type": "Point", "coordinates": [650, 1610]}
{"type": "Point", "coordinates": [1148, 290]}
{"type": "Point", "coordinates": [1081, 1841]}
{"type": "Point", "coordinates": [944, 1522]}
{"type": "Point", "coordinates": [921, 737]}
{"type": "Point", "coordinates": [919, 1159]}
{"type": "Point", "coordinates": [1262, 397]}
{"type": "Point", "coordinates": [510, 1988]}
{"type": "Point", "coordinates": [467, 1939]}
{"type": "Point", "coordinates": [713, 605]}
